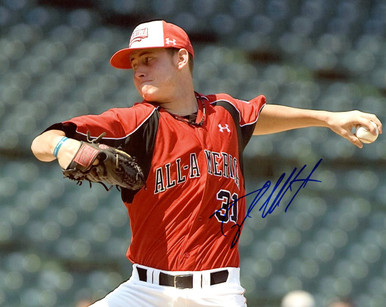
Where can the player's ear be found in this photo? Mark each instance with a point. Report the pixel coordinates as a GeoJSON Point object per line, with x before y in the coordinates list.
{"type": "Point", "coordinates": [183, 58]}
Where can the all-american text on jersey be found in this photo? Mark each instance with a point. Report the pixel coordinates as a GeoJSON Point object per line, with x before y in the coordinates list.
{"type": "Point", "coordinates": [218, 164]}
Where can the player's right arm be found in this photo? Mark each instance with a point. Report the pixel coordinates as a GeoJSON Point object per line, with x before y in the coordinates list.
{"type": "Point", "coordinates": [43, 147]}
{"type": "Point", "coordinates": [114, 123]}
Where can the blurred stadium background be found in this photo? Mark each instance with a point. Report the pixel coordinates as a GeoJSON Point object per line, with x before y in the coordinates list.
{"type": "Point", "coordinates": [60, 243]}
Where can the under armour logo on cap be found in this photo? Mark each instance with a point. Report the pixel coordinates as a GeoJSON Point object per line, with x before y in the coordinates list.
{"type": "Point", "coordinates": [153, 34]}
{"type": "Point", "coordinates": [169, 41]}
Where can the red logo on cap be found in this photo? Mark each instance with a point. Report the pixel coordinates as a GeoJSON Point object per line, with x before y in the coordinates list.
{"type": "Point", "coordinates": [138, 35]}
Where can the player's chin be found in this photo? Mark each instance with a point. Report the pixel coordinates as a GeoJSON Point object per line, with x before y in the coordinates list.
{"type": "Point", "coordinates": [149, 93]}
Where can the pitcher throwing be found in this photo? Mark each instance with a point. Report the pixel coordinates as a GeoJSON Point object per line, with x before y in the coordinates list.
{"type": "Point", "coordinates": [189, 149]}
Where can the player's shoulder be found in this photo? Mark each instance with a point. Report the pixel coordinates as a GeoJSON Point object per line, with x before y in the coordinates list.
{"type": "Point", "coordinates": [236, 102]}
{"type": "Point", "coordinates": [213, 98]}
{"type": "Point", "coordinates": [132, 117]}
{"type": "Point", "coordinates": [140, 110]}
{"type": "Point", "coordinates": [143, 106]}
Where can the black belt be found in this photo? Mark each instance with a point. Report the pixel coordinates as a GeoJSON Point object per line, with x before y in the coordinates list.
{"type": "Point", "coordinates": [183, 281]}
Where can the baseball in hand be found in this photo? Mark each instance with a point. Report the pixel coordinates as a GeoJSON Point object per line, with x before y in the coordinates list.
{"type": "Point", "coordinates": [365, 136]}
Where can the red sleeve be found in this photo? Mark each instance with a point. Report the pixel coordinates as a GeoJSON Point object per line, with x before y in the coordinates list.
{"type": "Point", "coordinates": [117, 123]}
{"type": "Point", "coordinates": [249, 111]}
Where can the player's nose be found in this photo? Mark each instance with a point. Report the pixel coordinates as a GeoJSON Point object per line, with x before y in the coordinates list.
{"type": "Point", "coordinates": [139, 73]}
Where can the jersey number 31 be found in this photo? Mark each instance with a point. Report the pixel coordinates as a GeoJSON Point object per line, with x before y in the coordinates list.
{"type": "Point", "coordinates": [229, 208]}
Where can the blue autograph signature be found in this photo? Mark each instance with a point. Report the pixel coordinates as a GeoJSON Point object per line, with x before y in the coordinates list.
{"type": "Point", "coordinates": [272, 202]}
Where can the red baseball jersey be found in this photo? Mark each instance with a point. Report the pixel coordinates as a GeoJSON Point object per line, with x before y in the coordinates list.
{"type": "Point", "coordinates": [182, 220]}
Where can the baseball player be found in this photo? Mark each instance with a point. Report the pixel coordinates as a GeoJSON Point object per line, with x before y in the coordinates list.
{"type": "Point", "coordinates": [189, 146]}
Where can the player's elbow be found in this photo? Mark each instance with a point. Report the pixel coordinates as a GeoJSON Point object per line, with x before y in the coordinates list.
{"type": "Point", "coordinates": [40, 151]}
{"type": "Point", "coordinates": [35, 148]}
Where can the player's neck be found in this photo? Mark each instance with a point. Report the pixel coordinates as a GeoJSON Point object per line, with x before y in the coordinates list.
{"type": "Point", "coordinates": [183, 101]}
{"type": "Point", "coordinates": [183, 106]}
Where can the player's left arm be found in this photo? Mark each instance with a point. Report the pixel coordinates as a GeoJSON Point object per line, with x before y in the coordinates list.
{"type": "Point", "coordinates": [277, 118]}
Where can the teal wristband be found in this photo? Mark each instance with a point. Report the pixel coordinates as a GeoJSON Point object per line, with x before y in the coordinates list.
{"type": "Point", "coordinates": [57, 147]}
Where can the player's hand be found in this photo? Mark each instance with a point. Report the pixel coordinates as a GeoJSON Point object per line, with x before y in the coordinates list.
{"type": "Point", "coordinates": [67, 152]}
{"type": "Point", "coordinates": [343, 124]}
{"type": "Point", "coordinates": [114, 166]}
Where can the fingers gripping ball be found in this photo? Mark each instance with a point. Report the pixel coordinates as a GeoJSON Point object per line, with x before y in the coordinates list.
{"type": "Point", "coordinates": [365, 136]}
{"type": "Point", "coordinates": [106, 165]}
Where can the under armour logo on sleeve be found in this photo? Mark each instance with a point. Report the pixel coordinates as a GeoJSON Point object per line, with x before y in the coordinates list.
{"type": "Point", "coordinates": [226, 127]}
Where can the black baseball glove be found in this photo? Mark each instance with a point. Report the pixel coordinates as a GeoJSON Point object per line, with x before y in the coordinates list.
{"type": "Point", "coordinates": [107, 165]}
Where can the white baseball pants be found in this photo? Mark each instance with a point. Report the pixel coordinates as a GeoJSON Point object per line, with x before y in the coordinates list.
{"type": "Point", "coordinates": [205, 288]}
